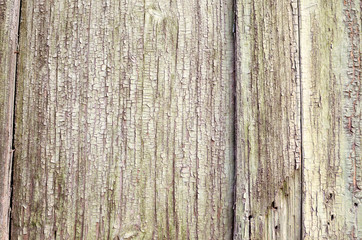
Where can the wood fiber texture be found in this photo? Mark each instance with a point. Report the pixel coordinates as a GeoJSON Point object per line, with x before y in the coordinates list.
{"type": "Point", "coordinates": [124, 114]}
{"type": "Point", "coordinates": [192, 119]}
{"type": "Point", "coordinates": [9, 22]}
{"type": "Point", "coordinates": [268, 137]}
{"type": "Point", "coordinates": [331, 110]}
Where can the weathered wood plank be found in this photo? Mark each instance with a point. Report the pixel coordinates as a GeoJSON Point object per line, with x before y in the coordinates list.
{"type": "Point", "coordinates": [9, 22]}
{"type": "Point", "coordinates": [124, 120]}
{"type": "Point", "coordinates": [268, 120]}
{"type": "Point", "coordinates": [331, 80]}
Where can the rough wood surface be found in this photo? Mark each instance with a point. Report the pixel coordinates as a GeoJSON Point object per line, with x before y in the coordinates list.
{"type": "Point", "coordinates": [268, 120]}
{"type": "Point", "coordinates": [9, 22]}
{"type": "Point", "coordinates": [331, 80]}
{"type": "Point", "coordinates": [124, 120]}
{"type": "Point", "coordinates": [186, 119]}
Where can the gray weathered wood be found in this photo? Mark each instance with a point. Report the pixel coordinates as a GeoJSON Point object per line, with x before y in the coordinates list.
{"type": "Point", "coordinates": [9, 22]}
{"type": "Point", "coordinates": [163, 120]}
{"type": "Point", "coordinates": [124, 120]}
{"type": "Point", "coordinates": [268, 120]}
{"type": "Point", "coordinates": [331, 81]}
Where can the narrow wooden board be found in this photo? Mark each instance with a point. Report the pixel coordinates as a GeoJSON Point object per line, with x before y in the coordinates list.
{"type": "Point", "coordinates": [9, 23]}
{"type": "Point", "coordinates": [268, 134]}
{"type": "Point", "coordinates": [331, 110]}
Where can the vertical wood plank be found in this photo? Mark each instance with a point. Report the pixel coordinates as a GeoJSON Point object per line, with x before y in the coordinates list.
{"type": "Point", "coordinates": [331, 80]}
{"type": "Point", "coordinates": [124, 124]}
{"type": "Point", "coordinates": [9, 22]}
{"type": "Point", "coordinates": [268, 134]}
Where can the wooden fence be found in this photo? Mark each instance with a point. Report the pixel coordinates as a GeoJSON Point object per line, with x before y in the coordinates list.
{"type": "Point", "coordinates": [180, 119]}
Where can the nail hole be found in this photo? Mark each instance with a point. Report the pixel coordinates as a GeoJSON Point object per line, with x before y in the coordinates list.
{"type": "Point", "coordinates": [356, 204]}
{"type": "Point", "coordinates": [332, 217]}
{"type": "Point", "coordinates": [273, 205]}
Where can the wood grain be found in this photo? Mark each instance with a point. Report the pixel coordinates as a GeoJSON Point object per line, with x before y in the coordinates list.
{"type": "Point", "coordinates": [267, 120]}
{"type": "Point", "coordinates": [180, 119]}
{"type": "Point", "coordinates": [331, 81]}
{"type": "Point", "coordinates": [9, 22]}
{"type": "Point", "coordinates": [124, 120]}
